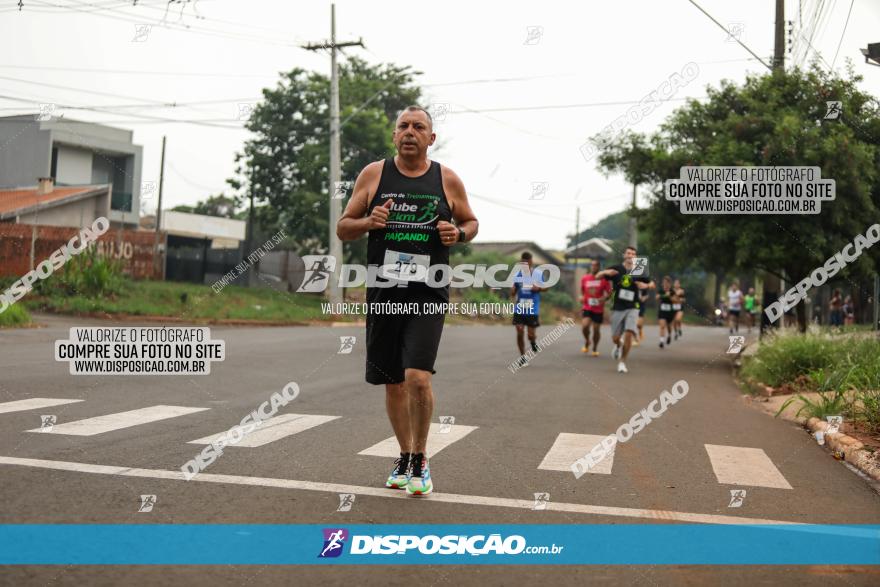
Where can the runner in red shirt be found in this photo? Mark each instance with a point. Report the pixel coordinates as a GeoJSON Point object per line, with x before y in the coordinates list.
{"type": "Point", "coordinates": [595, 291]}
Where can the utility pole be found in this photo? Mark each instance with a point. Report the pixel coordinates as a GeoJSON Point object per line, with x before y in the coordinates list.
{"type": "Point", "coordinates": [577, 232]}
{"type": "Point", "coordinates": [632, 229]}
{"type": "Point", "coordinates": [335, 156]}
{"type": "Point", "coordinates": [156, 257]}
{"type": "Point", "coordinates": [779, 37]}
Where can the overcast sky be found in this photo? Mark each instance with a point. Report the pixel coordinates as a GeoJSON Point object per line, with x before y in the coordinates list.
{"type": "Point", "coordinates": [500, 136]}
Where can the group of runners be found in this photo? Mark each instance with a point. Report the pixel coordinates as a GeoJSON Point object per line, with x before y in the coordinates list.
{"type": "Point", "coordinates": [629, 296]}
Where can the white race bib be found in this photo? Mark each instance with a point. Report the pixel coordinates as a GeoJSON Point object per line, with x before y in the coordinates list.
{"type": "Point", "coordinates": [626, 294]}
{"type": "Point", "coordinates": [593, 302]}
{"type": "Point", "coordinates": [405, 266]}
{"type": "Point", "coordinates": [676, 307]}
{"type": "Point", "coordinates": [665, 307]}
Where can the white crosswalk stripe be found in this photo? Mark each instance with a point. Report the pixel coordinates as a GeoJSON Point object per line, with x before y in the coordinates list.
{"type": "Point", "coordinates": [437, 441]}
{"type": "Point", "coordinates": [273, 429]}
{"type": "Point", "coordinates": [118, 421]}
{"type": "Point", "coordinates": [570, 447]}
{"type": "Point", "coordinates": [34, 403]}
{"type": "Point", "coordinates": [736, 465]}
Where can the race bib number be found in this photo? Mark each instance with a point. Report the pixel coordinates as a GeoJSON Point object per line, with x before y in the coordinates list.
{"type": "Point", "coordinates": [593, 302]}
{"type": "Point", "coordinates": [405, 266]}
{"type": "Point", "coordinates": [676, 306]}
{"type": "Point", "coordinates": [627, 294]}
{"type": "Point", "coordinates": [665, 307]}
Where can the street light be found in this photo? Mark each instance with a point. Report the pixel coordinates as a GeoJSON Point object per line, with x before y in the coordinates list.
{"type": "Point", "coordinates": [872, 54]}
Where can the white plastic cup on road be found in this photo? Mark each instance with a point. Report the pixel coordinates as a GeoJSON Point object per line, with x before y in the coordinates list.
{"type": "Point", "coordinates": [820, 436]}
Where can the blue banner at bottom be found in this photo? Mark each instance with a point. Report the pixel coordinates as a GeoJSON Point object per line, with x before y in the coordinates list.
{"type": "Point", "coordinates": [522, 544]}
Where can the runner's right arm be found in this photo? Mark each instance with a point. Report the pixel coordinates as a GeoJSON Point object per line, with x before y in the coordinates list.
{"type": "Point", "coordinates": [355, 222]}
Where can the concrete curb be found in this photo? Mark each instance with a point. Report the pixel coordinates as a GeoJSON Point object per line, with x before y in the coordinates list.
{"type": "Point", "coordinates": [847, 448]}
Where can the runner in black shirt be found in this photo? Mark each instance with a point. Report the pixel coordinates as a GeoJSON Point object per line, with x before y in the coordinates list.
{"type": "Point", "coordinates": [625, 309]}
{"type": "Point", "coordinates": [407, 204]}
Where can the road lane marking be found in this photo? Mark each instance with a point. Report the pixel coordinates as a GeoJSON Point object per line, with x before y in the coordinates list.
{"type": "Point", "coordinates": [570, 447]}
{"type": "Point", "coordinates": [110, 422]}
{"type": "Point", "coordinates": [475, 500]}
{"type": "Point", "coordinates": [436, 440]}
{"type": "Point", "coordinates": [737, 465]}
{"type": "Point", "coordinates": [272, 429]}
{"type": "Point", "coordinates": [34, 403]}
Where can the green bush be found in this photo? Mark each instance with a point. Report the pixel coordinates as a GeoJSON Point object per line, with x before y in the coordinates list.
{"type": "Point", "coordinates": [867, 410]}
{"type": "Point", "coordinates": [86, 274]}
{"type": "Point", "coordinates": [784, 358]}
{"type": "Point", "coordinates": [844, 369]}
{"type": "Point", "coordinates": [558, 298]}
{"type": "Point", "coordinates": [827, 404]}
{"type": "Point", "coordinates": [14, 315]}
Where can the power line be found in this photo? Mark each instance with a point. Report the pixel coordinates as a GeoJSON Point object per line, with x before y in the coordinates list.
{"type": "Point", "coordinates": [137, 72]}
{"type": "Point", "coordinates": [125, 17]}
{"type": "Point", "coordinates": [743, 45]}
{"type": "Point", "coordinates": [148, 103]}
{"type": "Point", "coordinates": [840, 42]}
{"type": "Point", "coordinates": [142, 116]}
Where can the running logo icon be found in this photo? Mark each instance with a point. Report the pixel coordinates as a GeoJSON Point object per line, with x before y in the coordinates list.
{"type": "Point", "coordinates": [340, 189]}
{"type": "Point", "coordinates": [541, 501]}
{"type": "Point", "coordinates": [533, 35]}
{"type": "Point", "coordinates": [346, 500]}
{"type": "Point", "coordinates": [334, 540]}
{"type": "Point", "coordinates": [640, 266]}
{"type": "Point", "coordinates": [147, 503]}
{"type": "Point", "coordinates": [318, 270]}
{"type": "Point", "coordinates": [736, 344]}
{"type": "Point", "coordinates": [346, 344]}
{"type": "Point", "coordinates": [539, 190]}
{"type": "Point", "coordinates": [47, 422]}
{"type": "Point", "coordinates": [834, 423]}
{"type": "Point", "coordinates": [45, 113]}
{"type": "Point", "coordinates": [446, 423]}
{"type": "Point", "coordinates": [833, 109]}
{"type": "Point", "coordinates": [737, 497]}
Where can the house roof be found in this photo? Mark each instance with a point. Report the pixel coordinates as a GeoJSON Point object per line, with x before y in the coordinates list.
{"type": "Point", "coordinates": [511, 247]}
{"type": "Point", "coordinates": [17, 201]}
{"type": "Point", "coordinates": [594, 247]}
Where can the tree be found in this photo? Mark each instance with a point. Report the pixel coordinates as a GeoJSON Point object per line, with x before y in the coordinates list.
{"type": "Point", "coordinates": [286, 164]}
{"type": "Point", "coordinates": [773, 119]}
{"type": "Point", "coordinates": [220, 205]}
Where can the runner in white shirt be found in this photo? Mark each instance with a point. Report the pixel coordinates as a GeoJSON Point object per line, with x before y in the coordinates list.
{"type": "Point", "coordinates": [734, 306]}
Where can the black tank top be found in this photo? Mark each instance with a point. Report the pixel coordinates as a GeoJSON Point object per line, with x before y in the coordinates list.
{"type": "Point", "coordinates": [665, 298]}
{"type": "Point", "coordinates": [419, 203]}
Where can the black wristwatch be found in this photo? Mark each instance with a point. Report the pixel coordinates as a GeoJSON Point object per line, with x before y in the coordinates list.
{"type": "Point", "coordinates": [462, 237]}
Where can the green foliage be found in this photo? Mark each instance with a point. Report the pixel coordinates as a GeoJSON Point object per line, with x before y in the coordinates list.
{"type": "Point", "coordinates": [786, 357]}
{"type": "Point", "coordinates": [612, 227]}
{"type": "Point", "coordinates": [86, 274]}
{"type": "Point", "coordinates": [827, 404]}
{"type": "Point", "coordinates": [558, 298]}
{"type": "Point", "coordinates": [219, 205]}
{"type": "Point", "coordinates": [833, 365]}
{"type": "Point", "coordinates": [868, 409]}
{"type": "Point", "coordinates": [286, 163]}
{"type": "Point", "coordinates": [14, 315]}
{"type": "Point", "coordinates": [771, 119]}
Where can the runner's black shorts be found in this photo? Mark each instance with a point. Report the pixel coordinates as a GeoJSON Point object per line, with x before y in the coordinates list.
{"type": "Point", "coordinates": [596, 317]}
{"type": "Point", "coordinates": [641, 310]}
{"type": "Point", "coordinates": [526, 320]}
{"type": "Point", "coordinates": [734, 312]}
{"type": "Point", "coordinates": [396, 342]}
{"type": "Point", "coordinates": [668, 315]}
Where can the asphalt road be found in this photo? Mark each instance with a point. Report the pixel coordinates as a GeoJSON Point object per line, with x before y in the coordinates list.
{"type": "Point", "coordinates": [486, 474]}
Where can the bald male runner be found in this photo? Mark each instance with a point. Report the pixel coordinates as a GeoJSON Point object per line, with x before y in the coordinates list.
{"type": "Point", "coordinates": [407, 204]}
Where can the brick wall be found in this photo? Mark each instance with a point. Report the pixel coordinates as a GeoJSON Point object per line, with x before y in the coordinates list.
{"type": "Point", "coordinates": [133, 248]}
